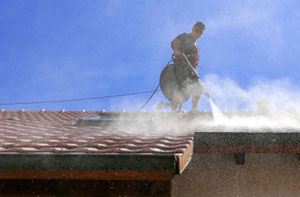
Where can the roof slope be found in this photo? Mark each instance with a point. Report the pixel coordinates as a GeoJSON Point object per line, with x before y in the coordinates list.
{"type": "Point", "coordinates": [51, 141]}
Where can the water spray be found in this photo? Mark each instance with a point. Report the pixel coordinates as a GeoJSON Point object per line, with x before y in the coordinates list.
{"type": "Point", "coordinates": [217, 114]}
{"type": "Point", "coordinates": [168, 85]}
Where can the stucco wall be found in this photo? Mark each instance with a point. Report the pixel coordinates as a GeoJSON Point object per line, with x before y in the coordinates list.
{"type": "Point", "coordinates": [216, 174]}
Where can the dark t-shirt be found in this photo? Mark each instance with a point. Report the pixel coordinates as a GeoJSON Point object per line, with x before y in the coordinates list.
{"type": "Point", "coordinates": [189, 48]}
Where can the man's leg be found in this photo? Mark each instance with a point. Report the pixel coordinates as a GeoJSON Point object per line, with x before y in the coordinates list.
{"type": "Point", "coordinates": [195, 102]}
{"type": "Point", "coordinates": [197, 91]}
{"type": "Point", "coordinates": [162, 105]}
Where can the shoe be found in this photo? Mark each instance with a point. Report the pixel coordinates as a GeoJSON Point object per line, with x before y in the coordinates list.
{"type": "Point", "coordinates": [175, 115]}
{"type": "Point", "coordinates": [194, 112]}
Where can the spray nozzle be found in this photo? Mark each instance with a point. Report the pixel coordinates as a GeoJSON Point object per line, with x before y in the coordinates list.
{"type": "Point", "coordinates": [207, 95]}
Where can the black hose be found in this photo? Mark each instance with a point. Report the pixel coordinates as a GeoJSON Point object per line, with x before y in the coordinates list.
{"type": "Point", "coordinates": [149, 98]}
{"type": "Point", "coordinates": [153, 91]}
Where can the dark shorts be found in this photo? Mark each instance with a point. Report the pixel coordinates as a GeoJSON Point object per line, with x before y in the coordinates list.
{"type": "Point", "coordinates": [183, 75]}
{"type": "Point", "coordinates": [186, 80]}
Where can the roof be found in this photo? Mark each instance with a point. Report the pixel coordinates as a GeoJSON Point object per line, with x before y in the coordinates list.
{"type": "Point", "coordinates": [51, 144]}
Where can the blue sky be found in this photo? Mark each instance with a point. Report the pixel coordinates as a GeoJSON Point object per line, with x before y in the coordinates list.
{"type": "Point", "coordinates": [65, 49]}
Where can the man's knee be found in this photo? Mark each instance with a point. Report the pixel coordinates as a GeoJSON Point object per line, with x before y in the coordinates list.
{"type": "Point", "coordinates": [178, 96]}
{"type": "Point", "coordinates": [195, 89]}
{"type": "Point", "coordinates": [198, 91]}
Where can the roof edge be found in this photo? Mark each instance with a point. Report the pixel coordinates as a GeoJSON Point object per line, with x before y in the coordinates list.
{"type": "Point", "coordinates": [87, 162]}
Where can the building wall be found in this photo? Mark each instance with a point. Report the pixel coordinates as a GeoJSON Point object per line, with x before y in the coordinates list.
{"type": "Point", "coordinates": [216, 174]}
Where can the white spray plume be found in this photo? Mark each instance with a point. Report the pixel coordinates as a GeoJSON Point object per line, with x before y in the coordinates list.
{"type": "Point", "coordinates": [264, 104]}
{"type": "Point", "coordinates": [271, 104]}
{"type": "Point", "coordinates": [280, 94]}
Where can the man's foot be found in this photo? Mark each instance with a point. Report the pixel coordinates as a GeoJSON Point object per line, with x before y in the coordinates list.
{"type": "Point", "coordinates": [175, 114]}
{"type": "Point", "coordinates": [194, 112]}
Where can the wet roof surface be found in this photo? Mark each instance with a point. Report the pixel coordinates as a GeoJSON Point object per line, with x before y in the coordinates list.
{"type": "Point", "coordinates": [55, 132]}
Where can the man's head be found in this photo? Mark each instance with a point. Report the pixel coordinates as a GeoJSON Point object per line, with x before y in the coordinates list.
{"type": "Point", "coordinates": [198, 29]}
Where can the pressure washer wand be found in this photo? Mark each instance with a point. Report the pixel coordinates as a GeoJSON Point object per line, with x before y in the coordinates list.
{"type": "Point", "coordinates": [194, 71]}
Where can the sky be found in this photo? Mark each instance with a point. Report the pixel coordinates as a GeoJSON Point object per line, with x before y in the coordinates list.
{"type": "Point", "coordinates": [69, 49]}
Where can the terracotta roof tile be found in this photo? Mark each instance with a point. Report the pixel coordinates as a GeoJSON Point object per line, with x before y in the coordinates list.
{"type": "Point", "coordinates": [39, 141]}
{"type": "Point", "coordinates": [54, 131]}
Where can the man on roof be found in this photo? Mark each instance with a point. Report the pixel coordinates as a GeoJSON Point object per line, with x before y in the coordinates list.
{"type": "Point", "coordinates": [187, 82]}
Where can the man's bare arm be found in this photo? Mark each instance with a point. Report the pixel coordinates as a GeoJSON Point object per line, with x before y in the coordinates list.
{"type": "Point", "coordinates": [175, 46]}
